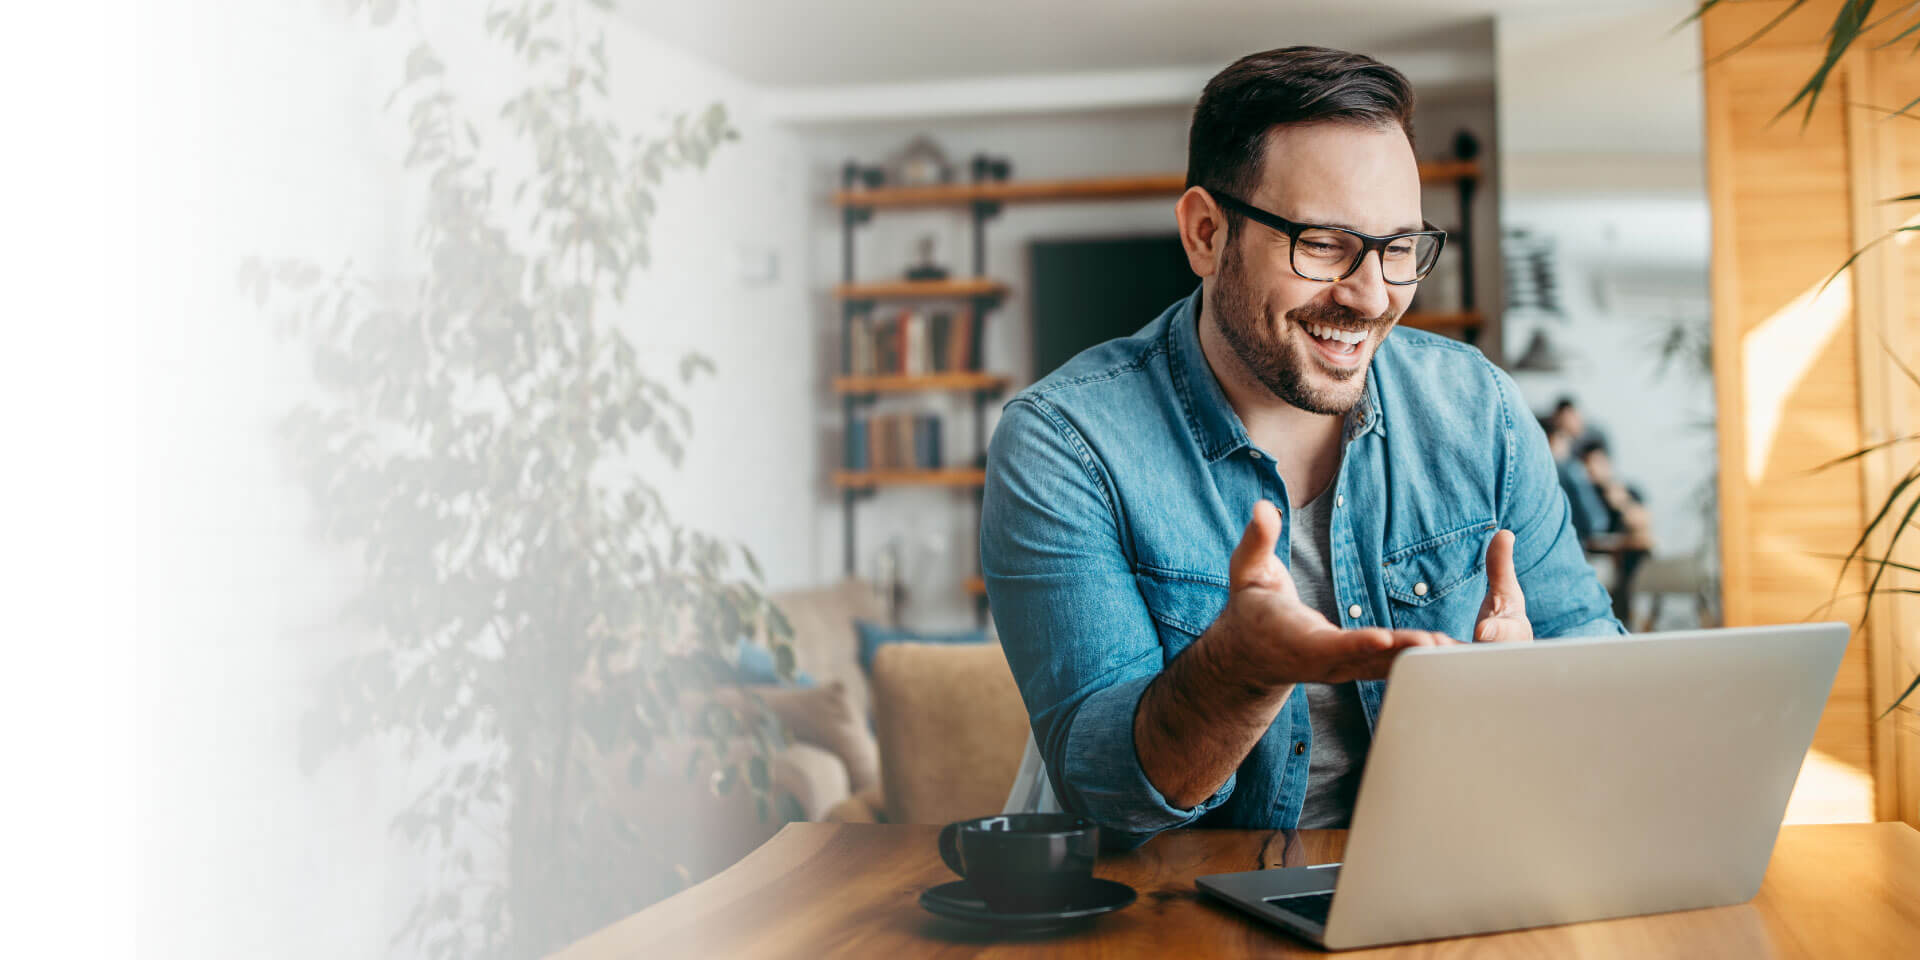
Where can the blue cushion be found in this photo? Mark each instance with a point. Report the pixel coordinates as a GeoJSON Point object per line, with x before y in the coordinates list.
{"type": "Point", "coordinates": [756, 666]}
{"type": "Point", "coordinates": [873, 636]}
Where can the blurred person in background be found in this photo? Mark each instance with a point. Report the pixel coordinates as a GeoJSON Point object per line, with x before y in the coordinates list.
{"type": "Point", "coordinates": [1625, 528]}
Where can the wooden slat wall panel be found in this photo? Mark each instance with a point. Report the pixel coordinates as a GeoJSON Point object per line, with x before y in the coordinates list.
{"type": "Point", "coordinates": [1786, 370]}
{"type": "Point", "coordinates": [1887, 164]}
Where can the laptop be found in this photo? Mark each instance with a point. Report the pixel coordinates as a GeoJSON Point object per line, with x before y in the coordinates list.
{"type": "Point", "coordinates": [1513, 786]}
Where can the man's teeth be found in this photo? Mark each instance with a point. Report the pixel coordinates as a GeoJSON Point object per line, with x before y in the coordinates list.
{"type": "Point", "coordinates": [1342, 336]}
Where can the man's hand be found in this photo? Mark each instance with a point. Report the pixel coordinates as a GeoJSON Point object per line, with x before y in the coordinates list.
{"type": "Point", "coordinates": [1291, 641]}
{"type": "Point", "coordinates": [1503, 615]}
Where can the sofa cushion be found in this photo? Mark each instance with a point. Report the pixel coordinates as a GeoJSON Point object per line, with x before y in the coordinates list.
{"type": "Point", "coordinates": [825, 716]}
{"type": "Point", "coordinates": [873, 636]}
{"type": "Point", "coordinates": [952, 730]}
{"type": "Point", "coordinates": [824, 644]}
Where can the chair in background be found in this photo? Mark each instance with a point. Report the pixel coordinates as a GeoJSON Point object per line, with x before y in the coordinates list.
{"type": "Point", "coordinates": [1684, 577]}
{"type": "Point", "coordinates": [951, 726]}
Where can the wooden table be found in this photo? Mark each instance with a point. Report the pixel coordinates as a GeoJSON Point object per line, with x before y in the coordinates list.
{"type": "Point", "coordinates": [833, 890]}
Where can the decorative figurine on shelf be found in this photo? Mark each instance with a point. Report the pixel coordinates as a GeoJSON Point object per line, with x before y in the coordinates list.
{"type": "Point", "coordinates": [926, 269]}
{"type": "Point", "coordinates": [990, 169]}
{"type": "Point", "coordinates": [920, 163]}
{"type": "Point", "coordinates": [1466, 146]}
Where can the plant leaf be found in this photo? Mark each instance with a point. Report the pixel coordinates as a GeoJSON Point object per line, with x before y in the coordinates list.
{"type": "Point", "coordinates": [1840, 36]}
{"type": "Point", "coordinates": [1856, 255]}
{"type": "Point", "coordinates": [1902, 35]}
{"type": "Point", "coordinates": [1742, 45]}
{"type": "Point", "coordinates": [1894, 355]}
{"type": "Point", "coordinates": [1892, 563]}
{"type": "Point", "coordinates": [1902, 112]}
{"type": "Point", "coordinates": [422, 63]}
{"type": "Point", "coordinates": [1863, 451]}
{"type": "Point", "coordinates": [1885, 508]}
{"type": "Point", "coordinates": [1902, 698]}
{"type": "Point", "coordinates": [1892, 541]}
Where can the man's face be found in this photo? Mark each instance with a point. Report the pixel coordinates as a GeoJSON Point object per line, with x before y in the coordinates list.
{"type": "Point", "coordinates": [1599, 466]}
{"type": "Point", "coordinates": [1571, 422]}
{"type": "Point", "coordinates": [1290, 331]}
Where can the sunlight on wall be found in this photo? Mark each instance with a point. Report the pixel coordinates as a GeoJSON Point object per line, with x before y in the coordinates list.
{"type": "Point", "coordinates": [1779, 353]}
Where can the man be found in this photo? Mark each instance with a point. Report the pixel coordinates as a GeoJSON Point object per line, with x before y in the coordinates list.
{"type": "Point", "coordinates": [1204, 544]}
{"type": "Point", "coordinates": [1624, 528]}
{"type": "Point", "coordinates": [1564, 428]}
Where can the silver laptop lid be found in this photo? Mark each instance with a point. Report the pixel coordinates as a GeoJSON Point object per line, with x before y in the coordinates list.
{"type": "Point", "coordinates": [1572, 780]}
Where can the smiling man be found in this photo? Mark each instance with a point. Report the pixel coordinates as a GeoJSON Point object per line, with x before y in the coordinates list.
{"type": "Point", "coordinates": [1204, 543]}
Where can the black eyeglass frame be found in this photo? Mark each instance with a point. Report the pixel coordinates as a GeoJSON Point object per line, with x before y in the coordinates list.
{"type": "Point", "coordinates": [1368, 242]}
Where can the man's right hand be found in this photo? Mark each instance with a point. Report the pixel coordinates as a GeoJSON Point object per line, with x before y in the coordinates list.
{"type": "Point", "coordinates": [1285, 640]}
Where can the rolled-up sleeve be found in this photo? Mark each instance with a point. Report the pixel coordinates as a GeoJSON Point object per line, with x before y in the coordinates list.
{"type": "Point", "coordinates": [1564, 596]}
{"type": "Point", "coordinates": [1076, 631]}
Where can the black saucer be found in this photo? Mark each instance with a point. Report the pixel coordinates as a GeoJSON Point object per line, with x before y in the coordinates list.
{"type": "Point", "coordinates": [957, 900]}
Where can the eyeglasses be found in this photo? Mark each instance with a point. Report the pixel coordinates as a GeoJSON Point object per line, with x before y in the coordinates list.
{"type": "Point", "coordinates": [1330, 254]}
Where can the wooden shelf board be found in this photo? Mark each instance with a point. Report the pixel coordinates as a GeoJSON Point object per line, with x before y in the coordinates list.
{"type": "Point", "coordinates": [1079, 189]}
{"type": "Point", "coordinates": [960, 288]}
{"type": "Point", "coordinates": [903, 383]}
{"type": "Point", "coordinates": [947, 477]}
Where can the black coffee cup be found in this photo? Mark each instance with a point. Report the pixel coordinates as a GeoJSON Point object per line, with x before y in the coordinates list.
{"type": "Point", "coordinates": [1022, 862]}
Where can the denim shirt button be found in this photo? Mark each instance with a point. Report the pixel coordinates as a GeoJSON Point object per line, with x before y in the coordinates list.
{"type": "Point", "coordinates": [1420, 589]}
{"type": "Point", "coordinates": [1299, 748]}
{"type": "Point", "coordinates": [1354, 611]}
{"type": "Point", "coordinates": [1339, 500]}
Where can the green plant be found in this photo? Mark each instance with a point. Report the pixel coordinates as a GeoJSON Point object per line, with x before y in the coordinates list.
{"type": "Point", "coordinates": [1852, 25]}
{"type": "Point", "coordinates": [480, 438]}
{"type": "Point", "coordinates": [1902, 500]}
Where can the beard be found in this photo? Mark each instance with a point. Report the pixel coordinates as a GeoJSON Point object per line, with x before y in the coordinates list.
{"type": "Point", "coordinates": [1288, 365]}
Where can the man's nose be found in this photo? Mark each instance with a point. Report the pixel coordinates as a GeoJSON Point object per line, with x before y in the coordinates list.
{"type": "Point", "coordinates": [1365, 291]}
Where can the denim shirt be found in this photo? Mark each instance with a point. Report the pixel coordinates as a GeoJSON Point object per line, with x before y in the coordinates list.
{"type": "Point", "coordinates": [1118, 486]}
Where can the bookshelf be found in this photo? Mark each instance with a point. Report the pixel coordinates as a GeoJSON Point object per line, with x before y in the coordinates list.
{"type": "Point", "coordinates": [923, 477]}
{"type": "Point", "coordinates": [948, 380]}
{"type": "Point", "coordinates": [1068, 191]}
{"type": "Point", "coordinates": [905, 338]}
{"type": "Point", "coordinates": [965, 288]}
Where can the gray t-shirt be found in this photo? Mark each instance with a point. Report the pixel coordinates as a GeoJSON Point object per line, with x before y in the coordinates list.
{"type": "Point", "coordinates": [1340, 735]}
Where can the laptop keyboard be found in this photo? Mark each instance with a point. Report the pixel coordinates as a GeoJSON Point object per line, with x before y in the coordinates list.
{"type": "Point", "coordinates": [1311, 906]}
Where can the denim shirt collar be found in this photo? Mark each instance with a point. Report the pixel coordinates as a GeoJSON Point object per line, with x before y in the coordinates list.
{"type": "Point", "coordinates": [1215, 426]}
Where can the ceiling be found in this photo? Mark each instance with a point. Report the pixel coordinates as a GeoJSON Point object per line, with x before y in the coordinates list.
{"type": "Point", "coordinates": [826, 43]}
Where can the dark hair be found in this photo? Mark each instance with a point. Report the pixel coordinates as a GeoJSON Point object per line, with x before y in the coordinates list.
{"type": "Point", "coordinates": [1592, 445]}
{"type": "Point", "coordinates": [1565, 402]}
{"type": "Point", "coordinates": [1241, 104]}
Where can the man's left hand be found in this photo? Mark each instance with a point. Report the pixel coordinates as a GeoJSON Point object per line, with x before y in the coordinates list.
{"type": "Point", "coordinates": [1503, 615]}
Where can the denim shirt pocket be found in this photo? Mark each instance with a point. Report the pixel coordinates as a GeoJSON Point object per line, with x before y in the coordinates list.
{"type": "Point", "coordinates": [1439, 583]}
{"type": "Point", "coordinates": [1183, 605]}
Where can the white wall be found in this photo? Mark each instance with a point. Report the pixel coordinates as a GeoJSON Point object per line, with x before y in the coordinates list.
{"type": "Point", "coordinates": [262, 134]}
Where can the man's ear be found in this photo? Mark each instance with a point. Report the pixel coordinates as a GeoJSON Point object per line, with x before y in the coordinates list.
{"type": "Point", "coordinates": [1203, 230]}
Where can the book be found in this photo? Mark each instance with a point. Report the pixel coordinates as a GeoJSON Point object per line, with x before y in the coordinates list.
{"type": "Point", "coordinates": [860, 346]}
{"type": "Point", "coordinates": [914, 343]}
{"type": "Point", "coordinates": [900, 352]}
{"type": "Point", "coordinates": [959, 341]}
{"type": "Point", "coordinates": [939, 333]}
{"type": "Point", "coordinates": [855, 454]}
{"type": "Point", "coordinates": [927, 441]}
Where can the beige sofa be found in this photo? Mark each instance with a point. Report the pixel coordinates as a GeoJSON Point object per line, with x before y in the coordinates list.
{"type": "Point", "coordinates": [831, 756]}
{"type": "Point", "coordinates": [951, 729]}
